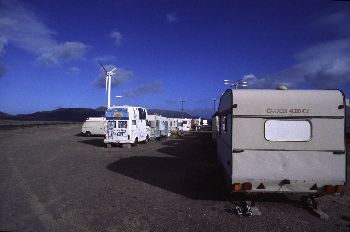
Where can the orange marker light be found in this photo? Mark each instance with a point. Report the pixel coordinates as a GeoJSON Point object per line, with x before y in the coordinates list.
{"type": "Point", "coordinates": [236, 187]}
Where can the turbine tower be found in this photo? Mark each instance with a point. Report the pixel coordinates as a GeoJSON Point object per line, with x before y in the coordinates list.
{"type": "Point", "coordinates": [109, 75]}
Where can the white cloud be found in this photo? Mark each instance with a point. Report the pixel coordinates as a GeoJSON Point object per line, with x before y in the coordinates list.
{"type": "Point", "coordinates": [117, 37]}
{"type": "Point", "coordinates": [121, 76]}
{"type": "Point", "coordinates": [324, 65]}
{"type": "Point", "coordinates": [22, 28]}
{"type": "Point", "coordinates": [171, 18]}
{"type": "Point", "coordinates": [62, 52]}
{"type": "Point", "coordinates": [151, 88]}
{"type": "Point", "coordinates": [74, 70]}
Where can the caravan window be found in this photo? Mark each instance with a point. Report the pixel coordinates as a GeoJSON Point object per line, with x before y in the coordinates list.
{"type": "Point", "coordinates": [288, 130]}
{"type": "Point", "coordinates": [133, 122]}
{"type": "Point", "coordinates": [224, 124]}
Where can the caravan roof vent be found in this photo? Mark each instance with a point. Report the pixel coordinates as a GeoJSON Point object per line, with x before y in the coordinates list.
{"type": "Point", "coordinates": [281, 87]}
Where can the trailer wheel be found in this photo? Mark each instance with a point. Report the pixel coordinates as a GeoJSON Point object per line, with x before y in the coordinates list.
{"type": "Point", "coordinates": [136, 141]}
{"type": "Point", "coordinates": [147, 139]}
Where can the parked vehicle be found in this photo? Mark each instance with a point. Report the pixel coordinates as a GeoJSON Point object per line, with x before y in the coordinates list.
{"type": "Point", "coordinates": [186, 124]}
{"type": "Point", "coordinates": [214, 127]}
{"type": "Point", "coordinates": [158, 126]}
{"type": "Point", "coordinates": [94, 126]}
{"type": "Point", "coordinates": [286, 141]}
{"type": "Point", "coordinates": [126, 125]}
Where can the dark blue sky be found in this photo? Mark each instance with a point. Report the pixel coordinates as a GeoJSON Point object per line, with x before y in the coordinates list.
{"type": "Point", "coordinates": [166, 50]}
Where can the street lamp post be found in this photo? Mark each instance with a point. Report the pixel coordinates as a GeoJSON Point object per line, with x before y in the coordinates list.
{"type": "Point", "coordinates": [118, 96]}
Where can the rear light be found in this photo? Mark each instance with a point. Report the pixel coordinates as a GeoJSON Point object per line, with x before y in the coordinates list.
{"type": "Point", "coordinates": [236, 187]}
{"type": "Point", "coordinates": [246, 186]}
{"type": "Point", "coordinates": [340, 188]}
{"type": "Point", "coordinates": [330, 189]}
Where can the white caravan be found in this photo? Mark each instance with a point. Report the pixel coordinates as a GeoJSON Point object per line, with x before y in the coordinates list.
{"type": "Point", "coordinates": [172, 124]}
{"type": "Point", "coordinates": [126, 125]}
{"type": "Point", "coordinates": [347, 117]}
{"type": "Point", "coordinates": [158, 125]}
{"type": "Point", "coordinates": [94, 126]}
{"type": "Point", "coordinates": [214, 127]}
{"type": "Point", "coordinates": [186, 124]}
{"type": "Point", "coordinates": [283, 141]}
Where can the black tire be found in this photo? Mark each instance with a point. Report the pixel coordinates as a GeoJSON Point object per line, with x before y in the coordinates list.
{"type": "Point", "coordinates": [88, 133]}
{"type": "Point", "coordinates": [136, 141]}
{"type": "Point", "coordinates": [147, 139]}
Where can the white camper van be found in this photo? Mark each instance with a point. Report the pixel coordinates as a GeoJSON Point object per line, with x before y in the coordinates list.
{"type": "Point", "coordinates": [283, 141]}
{"type": "Point", "coordinates": [158, 125]}
{"type": "Point", "coordinates": [126, 125]}
{"type": "Point", "coordinates": [94, 126]}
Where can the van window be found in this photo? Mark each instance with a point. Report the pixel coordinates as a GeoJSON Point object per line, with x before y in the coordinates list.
{"type": "Point", "coordinates": [184, 122]}
{"type": "Point", "coordinates": [122, 124]}
{"type": "Point", "coordinates": [288, 130]}
{"type": "Point", "coordinates": [111, 124]}
{"type": "Point", "coordinates": [142, 113]}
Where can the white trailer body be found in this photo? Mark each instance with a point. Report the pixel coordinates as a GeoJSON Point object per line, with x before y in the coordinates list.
{"type": "Point", "coordinates": [186, 124]}
{"type": "Point", "coordinates": [347, 123]}
{"type": "Point", "coordinates": [283, 140]}
{"type": "Point", "coordinates": [158, 125]}
{"type": "Point", "coordinates": [94, 126]}
{"type": "Point", "coordinates": [172, 124]}
{"type": "Point", "coordinates": [214, 127]}
{"type": "Point", "coordinates": [126, 124]}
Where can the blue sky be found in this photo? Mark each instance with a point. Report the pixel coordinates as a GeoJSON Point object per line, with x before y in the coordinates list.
{"type": "Point", "coordinates": [166, 51]}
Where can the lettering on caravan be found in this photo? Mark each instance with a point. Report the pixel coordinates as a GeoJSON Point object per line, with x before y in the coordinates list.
{"type": "Point", "coordinates": [287, 111]}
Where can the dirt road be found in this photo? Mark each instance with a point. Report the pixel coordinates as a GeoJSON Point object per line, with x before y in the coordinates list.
{"type": "Point", "coordinates": [51, 179]}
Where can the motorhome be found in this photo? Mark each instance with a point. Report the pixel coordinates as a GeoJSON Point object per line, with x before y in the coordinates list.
{"type": "Point", "coordinates": [172, 124]}
{"type": "Point", "coordinates": [287, 141]}
{"type": "Point", "coordinates": [94, 126]}
{"type": "Point", "coordinates": [158, 126]}
{"type": "Point", "coordinates": [186, 124]}
{"type": "Point", "coordinates": [126, 125]}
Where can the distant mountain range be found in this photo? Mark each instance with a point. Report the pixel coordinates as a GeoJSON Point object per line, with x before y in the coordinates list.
{"type": "Point", "coordinates": [80, 114]}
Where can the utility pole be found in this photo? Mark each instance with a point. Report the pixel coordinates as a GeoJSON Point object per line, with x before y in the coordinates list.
{"type": "Point", "coordinates": [182, 108]}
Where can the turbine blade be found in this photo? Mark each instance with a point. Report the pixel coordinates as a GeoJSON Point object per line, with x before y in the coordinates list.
{"type": "Point", "coordinates": [102, 66]}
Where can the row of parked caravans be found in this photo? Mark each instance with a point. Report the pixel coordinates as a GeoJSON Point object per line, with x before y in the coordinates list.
{"type": "Point", "coordinates": [129, 125]}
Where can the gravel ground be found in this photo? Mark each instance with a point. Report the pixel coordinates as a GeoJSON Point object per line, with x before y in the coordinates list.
{"type": "Point", "coordinates": [52, 179]}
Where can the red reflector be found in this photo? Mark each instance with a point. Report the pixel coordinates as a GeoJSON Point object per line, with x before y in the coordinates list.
{"type": "Point", "coordinates": [314, 187]}
{"type": "Point", "coordinates": [340, 188]}
{"type": "Point", "coordinates": [246, 186]}
{"type": "Point", "coordinates": [330, 189]}
{"type": "Point", "coordinates": [261, 186]}
{"type": "Point", "coordinates": [236, 187]}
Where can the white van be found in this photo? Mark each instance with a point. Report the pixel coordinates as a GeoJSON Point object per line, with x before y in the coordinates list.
{"type": "Point", "coordinates": [126, 125]}
{"type": "Point", "coordinates": [94, 126]}
{"type": "Point", "coordinates": [283, 141]}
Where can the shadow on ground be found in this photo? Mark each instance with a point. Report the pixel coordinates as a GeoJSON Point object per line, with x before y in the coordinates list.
{"type": "Point", "coordinates": [97, 142]}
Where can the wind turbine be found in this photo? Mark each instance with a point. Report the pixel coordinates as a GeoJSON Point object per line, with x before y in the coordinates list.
{"type": "Point", "coordinates": [109, 75]}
